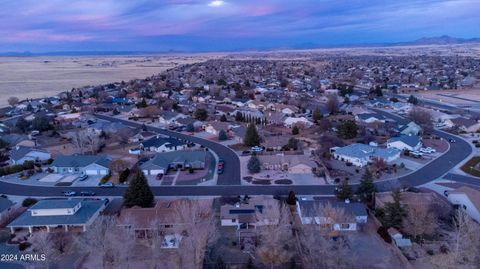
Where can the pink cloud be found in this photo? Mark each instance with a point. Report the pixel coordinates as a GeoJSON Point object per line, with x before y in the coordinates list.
{"type": "Point", "coordinates": [259, 10]}
{"type": "Point", "coordinates": [42, 35]}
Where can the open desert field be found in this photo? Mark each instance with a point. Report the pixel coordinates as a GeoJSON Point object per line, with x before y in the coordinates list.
{"type": "Point", "coordinates": [33, 77]}
{"type": "Point", "coordinates": [463, 97]}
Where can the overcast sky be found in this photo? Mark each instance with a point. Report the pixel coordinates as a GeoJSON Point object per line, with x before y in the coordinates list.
{"type": "Point", "coordinates": [205, 25]}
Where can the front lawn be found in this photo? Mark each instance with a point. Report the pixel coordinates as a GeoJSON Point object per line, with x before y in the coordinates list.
{"type": "Point", "coordinates": [469, 167]}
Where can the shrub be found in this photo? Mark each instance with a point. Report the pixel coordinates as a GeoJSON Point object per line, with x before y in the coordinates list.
{"type": "Point", "coordinates": [29, 202]}
{"type": "Point", "coordinates": [105, 178]}
{"type": "Point", "coordinates": [382, 231]}
{"type": "Point", "coordinates": [430, 252]}
{"type": "Point", "coordinates": [23, 246]}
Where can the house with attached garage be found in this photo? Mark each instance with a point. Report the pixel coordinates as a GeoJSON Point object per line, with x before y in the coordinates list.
{"type": "Point", "coordinates": [465, 124]}
{"type": "Point", "coordinates": [405, 142]}
{"type": "Point", "coordinates": [369, 118]}
{"type": "Point", "coordinates": [467, 199]}
{"type": "Point", "coordinates": [162, 162]}
{"type": "Point", "coordinates": [170, 118]}
{"type": "Point", "coordinates": [81, 164]}
{"type": "Point", "coordinates": [160, 143]}
{"type": "Point", "coordinates": [338, 216]}
{"type": "Point", "coordinates": [293, 164]}
{"type": "Point", "coordinates": [408, 127]}
{"type": "Point", "coordinates": [59, 213]}
{"type": "Point", "coordinates": [20, 154]}
{"type": "Point", "coordinates": [361, 154]}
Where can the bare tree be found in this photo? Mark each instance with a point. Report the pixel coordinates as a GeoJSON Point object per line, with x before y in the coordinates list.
{"type": "Point", "coordinates": [421, 117]}
{"type": "Point", "coordinates": [84, 139]}
{"type": "Point", "coordinates": [318, 249]}
{"type": "Point", "coordinates": [43, 243]}
{"type": "Point", "coordinates": [12, 101]}
{"type": "Point", "coordinates": [108, 242]}
{"type": "Point", "coordinates": [465, 244]}
{"type": "Point", "coordinates": [275, 236]}
{"type": "Point", "coordinates": [332, 104]}
{"type": "Point", "coordinates": [420, 220]}
{"type": "Point", "coordinates": [195, 222]}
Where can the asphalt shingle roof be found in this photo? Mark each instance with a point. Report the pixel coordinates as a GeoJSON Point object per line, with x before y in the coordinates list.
{"type": "Point", "coordinates": [158, 141]}
{"type": "Point", "coordinates": [77, 160]}
{"type": "Point", "coordinates": [20, 151]}
{"type": "Point", "coordinates": [411, 140]}
{"type": "Point", "coordinates": [362, 151]}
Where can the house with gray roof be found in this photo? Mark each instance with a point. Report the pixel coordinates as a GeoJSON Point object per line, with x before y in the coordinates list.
{"type": "Point", "coordinates": [160, 143]}
{"type": "Point", "coordinates": [65, 213]}
{"type": "Point", "coordinates": [5, 207]}
{"type": "Point", "coordinates": [20, 154]}
{"type": "Point", "coordinates": [361, 154]}
{"type": "Point", "coordinates": [369, 117]}
{"type": "Point", "coordinates": [340, 216]}
{"type": "Point", "coordinates": [81, 164]}
{"type": "Point", "coordinates": [405, 142]}
{"type": "Point", "coordinates": [162, 162]}
{"type": "Point", "coordinates": [408, 127]}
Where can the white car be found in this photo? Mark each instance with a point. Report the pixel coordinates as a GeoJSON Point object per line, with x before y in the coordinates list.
{"type": "Point", "coordinates": [427, 150]}
{"type": "Point", "coordinates": [257, 149]}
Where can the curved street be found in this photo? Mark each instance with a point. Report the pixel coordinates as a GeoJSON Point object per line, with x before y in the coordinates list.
{"type": "Point", "coordinates": [229, 182]}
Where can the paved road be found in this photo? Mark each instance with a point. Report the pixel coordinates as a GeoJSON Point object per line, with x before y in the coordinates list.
{"type": "Point", "coordinates": [231, 174]}
{"type": "Point", "coordinates": [230, 181]}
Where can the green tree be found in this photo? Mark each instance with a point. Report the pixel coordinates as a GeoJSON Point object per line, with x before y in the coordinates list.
{"type": "Point", "coordinates": [138, 192]}
{"type": "Point", "coordinates": [190, 128]}
{"type": "Point", "coordinates": [295, 130]}
{"type": "Point", "coordinates": [22, 125]}
{"type": "Point", "coordinates": [252, 138]}
{"type": "Point", "coordinates": [239, 116]}
{"type": "Point", "coordinates": [223, 118]}
{"type": "Point", "coordinates": [413, 100]}
{"type": "Point", "coordinates": [250, 264]}
{"type": "Point", "coordinates": [291, 199]}
{"type": "Point", "coordinates": [124, 175]}
{"type": "Point", "coordinates": [344, 191]}
{"type": "Point", "coordinates": [41, 124]}
{"type": "Point", "coordinates": [254, 165]}
{"type": "Point", "coordinates": [348, 130]}
{"type": "Point", "coordinates": [222, 135]}
{"type": "Point", "coordinates": [291, 144]}
{"type": "Point", "coordinates": [201, 114]}
{"type": "Point", "coordinates": [394, 212]}
{"type": "Point", "coordinates": [317, 115]}
{"type": "Point", "coordinates": [366, 188]}
{"type": "Point", "coordinates": [142, 104]}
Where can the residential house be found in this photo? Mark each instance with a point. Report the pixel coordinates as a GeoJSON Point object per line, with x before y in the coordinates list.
{"type": "Point", "coordinates": [465, 124]}
{"type": "Point", "coordinates": [170, 118]}
{"type": "Point", "coordinates": [215, 127]}
{"type": "Point", "coordinates": [405, 142]}
{"type": "Point", "coordinates": [361, 154]}
{"type": "Point", "coordinates": [160, 143]}
{"type": "Point", "coordinates": [162, 162]}
{"type": "Point", "coordinates": [293, 164]}
{"type": "Point", "coordinates": [408, 127]}
{"type": "Point", "coordinates": [141, 136]}
{"type": "Point", "coordinates": [275, 118]}
{"type": "Point", "coordinates": [337, 215]}
{"type": "Point", "coordinates": [50, 214]}
{"type": "Point", "coordinates": [81, 164]}
{"type": "Point", "coordinates": [276, 142]}
{"type": "Point", "coordinates": [289, 122]}
{"type": "Point", "coordinates": [189, 120]}
{"type": "Point", "coordinates": [369, 118]}
{"type": "Point", "coordinates": [253, 213]}
{"type": "Point", "coordinates": [467, 199]}
{"type": "Point", "coordinates": [398, 238]}
{"type": "Point", "coordinates": [21, 154]}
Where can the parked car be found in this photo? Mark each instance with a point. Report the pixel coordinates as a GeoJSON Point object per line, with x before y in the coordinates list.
{"type": "Point", "coordinates": [87, 193]}
{"type": "Point", "coordinates": [416, 154]}
{"type": "Point", "coordinates": [159, 176]}
{"type": "Point", "coordinates": [427, 150]}
{"type": "Point", "coordinates": [107, 185]}
{"type": "Point", "coordinates": [256, 149]}
{"type": "Point", "coordinates": [82, 177]}
{"type": "Point", "coordinates": [69, 193]}
{"type": "Point", "coordinates": [220, 171]}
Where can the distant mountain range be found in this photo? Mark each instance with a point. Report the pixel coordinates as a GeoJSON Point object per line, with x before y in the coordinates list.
{"type": "Point", "coordinates": [440, 40]}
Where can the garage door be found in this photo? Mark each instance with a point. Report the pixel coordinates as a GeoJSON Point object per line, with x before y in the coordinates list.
{"type": "Point", "coordinates": [156, 172]}
{"type": "Point", "coordinates": [145, 172]}
{"type": "Point", "coordinates": [91, 172]}
{"type": "Point", "coordinates": [103, 172]}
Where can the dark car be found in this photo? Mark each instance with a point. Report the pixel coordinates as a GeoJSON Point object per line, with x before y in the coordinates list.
{"type": "Point", "coordinates": [220, 171]}
{"type": "Point", "coordinates": [82, 177]}
{"type": "Point", "coordinates": [87, 193]}
{"type": "Point", "coordinates": [451, 140]}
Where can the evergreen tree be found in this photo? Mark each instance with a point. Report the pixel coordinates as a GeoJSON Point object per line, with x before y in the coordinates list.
{"type": "Point", "coordinates": [291, 199]}
{"type": "Point", "coordinates": [394, 212]}
{"type": "Point", "coordinates": [222, 135]}
{"type": "Point", "coordinates": [250, 264]}
{"type": "Point", "coordinates": [201, 114]}
{"type": "Point", "coordinates": [317, 115]}
{"type": "Point", "coordinates": [295, 130]}
{"type": "Point", "coordinates": [190, 128]}
{"type": "Point", "coordinates": [223, 118]}
{"type": "Point", "coordinates": [348, 130]}
{"type": "Point", "coordinates": [138, 192]}
{"type": "Point", "coordinates": [142, 104]}
{"type": "Point", "coordinates": [413, 100]}
{"type": "Point", "coordinates": [252, 138]}
{"type": "Point", "coordinates": [22, 125]}
{"type": "Point", "coordinates": [344, 191]}
{"type": "Point", "coordinates": [254, 165]}
{"type": "Point", "coordinates": [366, 188]}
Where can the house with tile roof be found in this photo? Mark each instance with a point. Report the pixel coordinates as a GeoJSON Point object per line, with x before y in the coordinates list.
{"type": "Point", "coordinates": [293, 164]}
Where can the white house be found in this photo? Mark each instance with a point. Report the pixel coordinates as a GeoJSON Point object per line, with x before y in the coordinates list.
{"type": "Point", "coordinates": [289, 122]}
{"type": "Point", "coordinates": [162, 144]}
{"type": "Point", "coordinates": [369, 118]}
{"type": "Point", "coordinates": [21, 154]}
{"type": "Point", "coordinates": [405, 142]}
{"type": "Point", "coordinates": [339, 216]}
{"type": "Point", "coordinates": [467, 199]}
{"type": "Point", "coordinates": [361, 154]}
{"type": "Point", "coordinates": [81, 164]}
